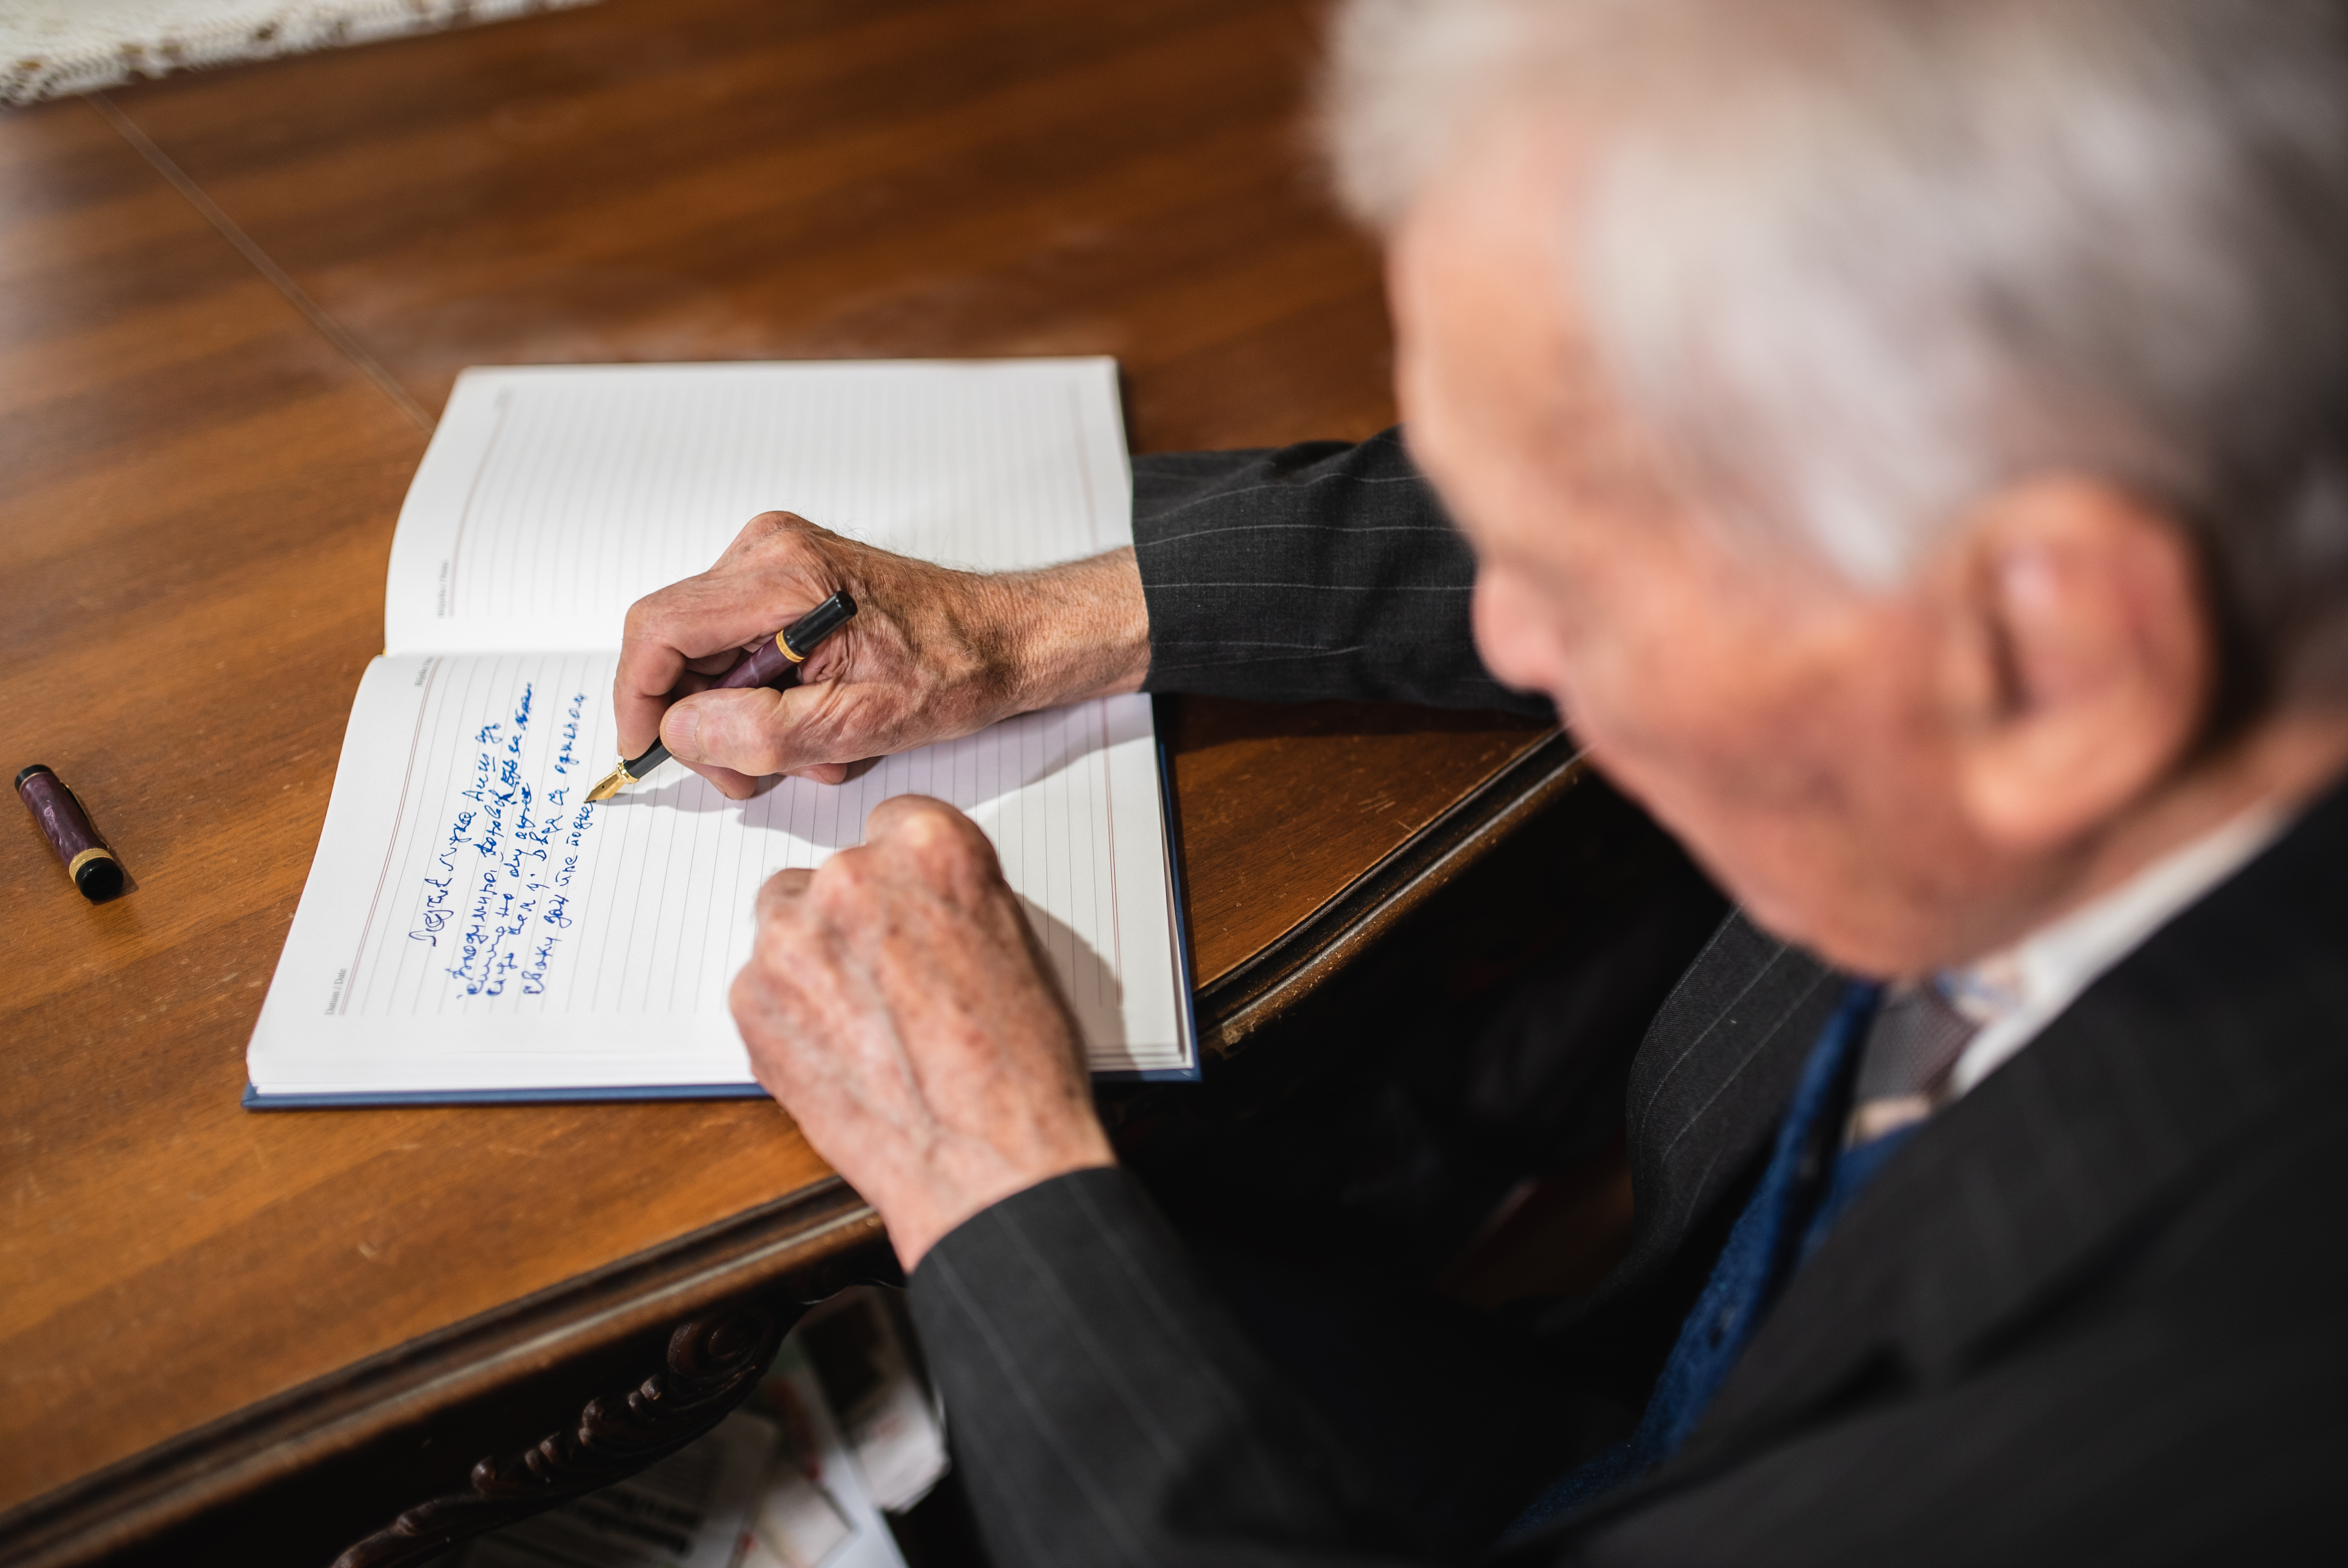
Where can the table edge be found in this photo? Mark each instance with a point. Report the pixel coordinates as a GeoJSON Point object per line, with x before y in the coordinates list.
{"type": "Point", "coordinates": [795, 1243]}
{"type": "Point", "coordinates": [1273, 981]}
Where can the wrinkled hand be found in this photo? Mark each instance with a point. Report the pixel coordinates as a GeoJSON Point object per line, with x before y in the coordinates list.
{"type": "Point", "coordinates": [898, 1005]}
{"type": "Point", "coordinates": [932, 653]}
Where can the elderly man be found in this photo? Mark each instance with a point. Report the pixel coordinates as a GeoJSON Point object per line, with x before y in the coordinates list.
{"type": "Point", "coordinates": [1908, 441]}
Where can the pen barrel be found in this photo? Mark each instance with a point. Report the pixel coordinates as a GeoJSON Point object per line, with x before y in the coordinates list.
{"type": "Point", "coordinates": [780, 654]}
{"type": "Point", "coordinates": [62, 822]}
{"type": "Point", "coordinates": [767, 667]}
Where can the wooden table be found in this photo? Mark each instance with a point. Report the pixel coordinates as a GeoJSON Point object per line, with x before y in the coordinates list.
{"type": "Point", "coordinates": [230, 304]}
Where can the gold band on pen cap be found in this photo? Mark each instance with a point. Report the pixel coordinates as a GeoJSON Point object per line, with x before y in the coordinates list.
{"type": "Point", "coordinates": [72, 866]}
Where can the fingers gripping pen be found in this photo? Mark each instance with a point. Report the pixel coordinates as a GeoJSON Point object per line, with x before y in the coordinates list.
{"type": "Point", "coordinates": [769, 666]}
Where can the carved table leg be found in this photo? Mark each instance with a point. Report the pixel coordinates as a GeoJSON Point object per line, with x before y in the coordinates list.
{"type": "Point", "coordinates": [713, 1363]}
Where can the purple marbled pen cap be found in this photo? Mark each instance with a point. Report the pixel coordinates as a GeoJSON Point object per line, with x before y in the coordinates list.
{"type": "Point", "coordinates": [66, 826]}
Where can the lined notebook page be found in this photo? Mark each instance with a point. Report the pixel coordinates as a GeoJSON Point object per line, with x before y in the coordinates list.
{"type": "Point", "coordinates": [553, 498]}
{"type": "Point", "coordinates": [471, 924]}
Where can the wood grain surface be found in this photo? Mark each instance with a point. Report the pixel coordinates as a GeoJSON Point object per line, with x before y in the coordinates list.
{"type": "Point", "coordinates": [1282, 807]}
{"type": "Point", "coordinates": [689, 179]}
{"type": "Point", "coordinates": [197, 483]}
{"type": "Point", "coordinates": [199, 495]}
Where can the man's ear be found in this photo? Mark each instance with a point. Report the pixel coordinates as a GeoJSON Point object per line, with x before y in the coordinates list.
{"type": "Point", "coordinates": [2081, 657]}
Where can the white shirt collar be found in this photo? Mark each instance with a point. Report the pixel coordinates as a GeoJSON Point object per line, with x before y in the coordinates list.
{"type": "Point", "coordinates": [2015, 994]}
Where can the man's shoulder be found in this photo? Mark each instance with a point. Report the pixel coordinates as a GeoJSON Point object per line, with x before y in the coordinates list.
{"type": "Point", "coordinates": [2090, 1310]}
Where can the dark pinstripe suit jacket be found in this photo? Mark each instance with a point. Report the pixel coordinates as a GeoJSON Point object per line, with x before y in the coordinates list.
{"type": "Point", "coordinates": [2094, 1312]}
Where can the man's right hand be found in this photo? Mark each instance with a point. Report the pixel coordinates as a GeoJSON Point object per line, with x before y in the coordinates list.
{"type": "Point", "coordinates": [932, 654]}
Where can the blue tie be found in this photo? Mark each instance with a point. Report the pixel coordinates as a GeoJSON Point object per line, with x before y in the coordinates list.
{"type": "Point", "coordinates": [1790, 1210]}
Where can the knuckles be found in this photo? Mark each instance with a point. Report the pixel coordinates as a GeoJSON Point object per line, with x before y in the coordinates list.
{"type": "Point", "coordinates": [922, 860]}
{"type": "Point", "coordinates": [767, 524]}
{"type": "Point", "coordinates": [843, 891]}
{"type": "Point", "coordinates": [941, 849]}
{"type": "Point", "coordinates": [637, 623]}
{"type": "Point", "coordinates": [925, 825]}
{"type": "Point", "coordinates": [796, 545]}
{"type": "Point", "coordinates": [785, 533]}
{"type": "Point", "coordinates": [782, 891]}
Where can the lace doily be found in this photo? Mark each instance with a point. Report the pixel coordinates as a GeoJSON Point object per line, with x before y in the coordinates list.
{"type": "Point", "coordinates": [51, 48]}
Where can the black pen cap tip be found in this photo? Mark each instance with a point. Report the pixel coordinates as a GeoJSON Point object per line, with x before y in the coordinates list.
{"type": "Point", "coordinates": [99, 880]}
{"type": "Point", "coordinates": [801, 636]}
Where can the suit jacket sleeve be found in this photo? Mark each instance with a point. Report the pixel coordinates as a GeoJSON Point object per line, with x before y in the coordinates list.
{"type": "Point", "coordinates": [1316, 571]}
{"type": "Point", "coordinates": [1106, 1408]}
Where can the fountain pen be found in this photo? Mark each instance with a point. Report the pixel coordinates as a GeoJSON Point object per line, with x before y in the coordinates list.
{"type": "Point", "coordinates": [767, 667]}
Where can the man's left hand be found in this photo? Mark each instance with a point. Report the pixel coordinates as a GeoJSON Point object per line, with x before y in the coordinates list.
{"type": "Point", "coordinates": [897, 1004]}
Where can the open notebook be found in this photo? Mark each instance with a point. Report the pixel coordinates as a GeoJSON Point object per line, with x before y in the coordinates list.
{"type": "Point", "coordinates": [472, 929]}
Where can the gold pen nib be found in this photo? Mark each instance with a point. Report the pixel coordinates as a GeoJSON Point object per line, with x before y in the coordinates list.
{"type": "Point", "coordinates": [615, 781]}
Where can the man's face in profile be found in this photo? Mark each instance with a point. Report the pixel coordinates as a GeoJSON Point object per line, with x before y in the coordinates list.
{"type": "Point", "coordinates": [1790, 727]}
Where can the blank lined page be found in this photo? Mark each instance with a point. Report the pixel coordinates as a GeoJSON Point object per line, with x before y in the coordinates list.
{"type": "Point", "coordinates": [553, 498]}
{"type": "Point", "coordinates": [471, 924]}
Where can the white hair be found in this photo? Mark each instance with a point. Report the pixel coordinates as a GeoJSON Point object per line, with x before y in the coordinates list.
{"type": "Point", "coordinates": [1862, 261]}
